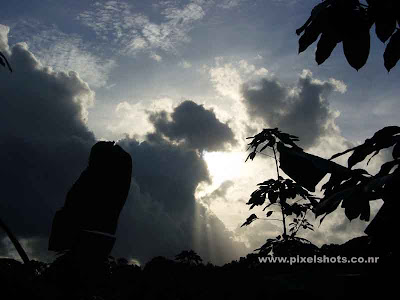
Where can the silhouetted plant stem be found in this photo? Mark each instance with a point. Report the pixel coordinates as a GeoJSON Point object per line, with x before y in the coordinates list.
{"type": "Point", "coordinates": [276, 162]}
{"type": "Point", "coordinates": [270, 219]}
{"type": "Point", "coordinates": [15, 242]}
{"type": "Point", "coordinates": [283, 214]}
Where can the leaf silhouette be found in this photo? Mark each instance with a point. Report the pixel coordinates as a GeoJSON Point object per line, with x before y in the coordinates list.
{"type": "Point", "coordinates": [249, 220]}
{"type": "Point", "coordinates": [269, 213]}
{"type": "Point", "coordinates": [396, 151]}
{"type": "Point", "coordinates": [383, 13]}
{"type": "Point", "coordinates": [316, 11]}
{"type": "Point", "coordinates": [273, 196]}
{"type": "Point", "coordinates": [385, 26]}
{"type": "Point", "coordinates": [325, 46]}
{"type": "Point", "coordinates": [356, 47]}
{"type": "Point", "coordinates": [251, 156]}
{"type": "Point", "coordinates": [359, 155]}
{"type": "Point", "coordinates": [355, 204]}
{"type": "Point", "coordinates": [293, 162]}
{"type": "Point", "coordinates": [328, 205]}
{"type": "Point", "coordinates": [392, 51]}
{"type": "Point", "coordinates": [382, 139]}
{"type": "Point", "coordinates": [387, 167]}
{"type": "Point", "coordinates": [312, 32]}
{"type": "Point", "coordinates": [365, 212]}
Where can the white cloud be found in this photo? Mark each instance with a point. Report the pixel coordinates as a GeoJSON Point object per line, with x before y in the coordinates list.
{"type": "Point", "coordinates": [339, 85]}
{"type": "Point", "coordinates": [230, 3]}
{"type": "Point", "coordinates": [44, 138]}
{"type": "Point", "coordinates": [226, 80]}
{"type": "Point", "coordinates": [155, 57]}
{"type": "Point", "coordinates": [130, 119]}
{"type": "Point", "coordinates": [228, 75]}
{"type": "Point", "coordinates": [4, 30]}
{"type": "Point", "coordinates": [131, 32]}
{"type": "Point", "coordinates": [65, 52]}
{"type": "Point", "coordinates": [185, 64]}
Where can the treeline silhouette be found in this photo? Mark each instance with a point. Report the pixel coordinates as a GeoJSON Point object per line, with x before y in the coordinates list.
{"type": "Point", "coordinates": [188, 278]}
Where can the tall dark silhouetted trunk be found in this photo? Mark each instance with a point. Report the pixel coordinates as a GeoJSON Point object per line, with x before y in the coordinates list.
{"type": "Point", "coordinates": [15, 242]}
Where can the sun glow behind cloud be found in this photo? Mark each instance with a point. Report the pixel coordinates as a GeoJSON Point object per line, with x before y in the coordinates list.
{"type": "Point", "coordinates": [224, 166]}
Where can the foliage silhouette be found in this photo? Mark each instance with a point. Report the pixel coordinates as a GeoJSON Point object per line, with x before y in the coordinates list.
{"type": "Point", "coordinates": [349, 22]}
{"type": "Point", "coordinates": [281, 192]}
{"type": "Point", "coordinates": [353, 188]}
{"type": "Point", "coordinates": [189, 257]}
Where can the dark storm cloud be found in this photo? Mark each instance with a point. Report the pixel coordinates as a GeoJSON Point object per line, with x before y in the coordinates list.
{"type": "Point", "coordinates": [44, 139]}
{"type": "Point", "coordinates": [198, 127]}
{"type": "Point", "coordinates": [219, 193]}
{"type": "Point", "coordinates": [45, 145]}
{"type": "Point", "coordinates": [162, 167]}
{"type": "Point", "coordinates": [162, 216]}
{"type": "Point", "coordinates": [302, 110]}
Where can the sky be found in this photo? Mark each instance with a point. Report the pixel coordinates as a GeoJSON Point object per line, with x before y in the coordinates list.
{"type": "Point", "coordinates": [179, 85]}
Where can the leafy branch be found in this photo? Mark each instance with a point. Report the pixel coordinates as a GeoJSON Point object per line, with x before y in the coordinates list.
{"type": "Point", "coordinates": [279, 191]}
{"type": "Point", "coordinates": [349, 22]}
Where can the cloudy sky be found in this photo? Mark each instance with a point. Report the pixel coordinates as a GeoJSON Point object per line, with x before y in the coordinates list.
{"type": "Point", "coordinates": [179, 84]}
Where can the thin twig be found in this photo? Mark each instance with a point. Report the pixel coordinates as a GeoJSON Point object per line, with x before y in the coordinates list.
{"type": "Point", "coordinates": [264, 154]}
{"type": "Point", "coordinates": [268, 219]}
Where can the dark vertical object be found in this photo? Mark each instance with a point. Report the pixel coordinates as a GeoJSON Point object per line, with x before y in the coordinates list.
{"type": "Point", "coordinates": [88, 221]}
{"type": "Point", "coordinates": [15, 242]}
{"type": "Point", "coordinates": [96, 199]}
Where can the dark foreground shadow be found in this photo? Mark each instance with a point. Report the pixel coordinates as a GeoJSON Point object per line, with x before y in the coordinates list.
{"type": "Point", "coordinates": [188, 278]}
{"type": "Point", "coordinates": [83, 230]}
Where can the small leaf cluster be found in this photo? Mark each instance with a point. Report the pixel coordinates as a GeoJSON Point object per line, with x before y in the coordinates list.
{"type": "Point", "coordinates": [291, 246]}
{"type": "Point", "coordinates": [349, 22]}
{"type": "Point", "coordinates": [269, 137]}
{"type": "Point", "coordinates": [280, 191]}
{"type": "Point", "coordinates": [300, 223]}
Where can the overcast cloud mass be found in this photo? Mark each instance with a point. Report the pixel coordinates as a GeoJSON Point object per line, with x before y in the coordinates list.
{"type": "Point", "coordinates": [179, 85]}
